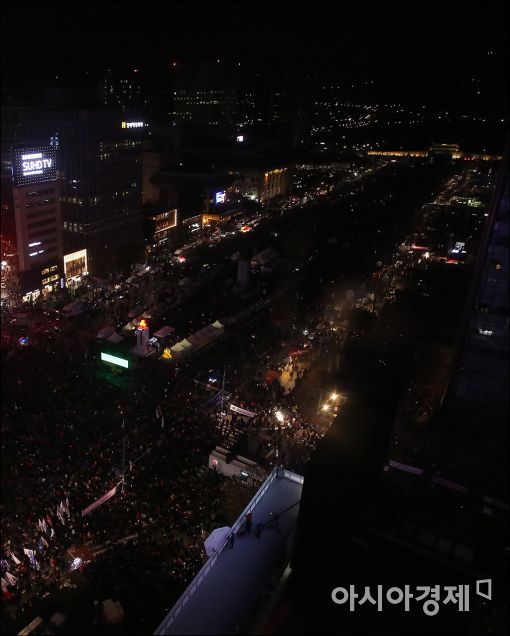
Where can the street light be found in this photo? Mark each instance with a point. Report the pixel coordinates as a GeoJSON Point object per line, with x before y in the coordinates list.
{"type": "Point", "coordinates": [334, 396]}
{"type": "Point", "coordinates": [325, 407]}
{"type": "Point", "coordinates": [279, 416]}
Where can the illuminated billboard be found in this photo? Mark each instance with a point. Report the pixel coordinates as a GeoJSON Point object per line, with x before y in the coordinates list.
{"type": "Point", "coordinates": [76, 264]}
{"type": "Point", "coordinates": [240, 138]}
{"type": "Point", "coordinates": [165, 221]}
{"type": "Point", "coordinates": [132, 124]}
{"type": "Point", "coordinates": [220, 197]}
{"type": "Point", "coordinates": [34, 165]}
{"type": "Point", "coordinates": [120, 362]}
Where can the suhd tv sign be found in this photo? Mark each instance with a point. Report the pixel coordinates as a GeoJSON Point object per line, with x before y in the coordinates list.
{"type": "Point", "coordinates": [34, 165]}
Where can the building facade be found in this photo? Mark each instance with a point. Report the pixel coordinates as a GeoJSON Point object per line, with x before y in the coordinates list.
{"type": "Point", "coordinates": [100, 173]}
{"type": "Point", "coordinates": [38, 220]}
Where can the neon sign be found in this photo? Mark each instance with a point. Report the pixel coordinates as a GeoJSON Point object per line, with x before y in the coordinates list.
{"type": "Point", "coordinates": [132, 124]}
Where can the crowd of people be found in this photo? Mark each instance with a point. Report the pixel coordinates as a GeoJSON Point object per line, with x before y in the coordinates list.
{"type": "Point", "coordinates": [72, 436]}
{"type": "Point", "coordinates": [69, 435]}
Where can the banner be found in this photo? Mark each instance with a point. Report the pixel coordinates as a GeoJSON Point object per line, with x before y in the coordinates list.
{"type": "Point", "coordinates": [241, 411]}
{"type": "Point", "coordinates": [406, 468]}
{"type": "Point", "coordinates": [99, 502]}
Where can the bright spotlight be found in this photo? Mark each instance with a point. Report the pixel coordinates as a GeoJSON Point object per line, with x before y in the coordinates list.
{"type": "Point", "coordinates": [279, 416]}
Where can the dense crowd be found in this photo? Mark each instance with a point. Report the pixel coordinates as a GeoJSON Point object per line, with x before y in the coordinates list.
{"type": "Point", "coordinates": [71, 436]}
{"type": "Point", "coordinates": [67, 436]}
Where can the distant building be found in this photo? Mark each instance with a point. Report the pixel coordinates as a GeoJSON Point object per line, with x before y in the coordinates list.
{"type": "Point", "coordinates": [100, 173]}
{"type": "Point", "coordinates": [122, 90]}
{"type": "Point", "coordinates": [205, 93]}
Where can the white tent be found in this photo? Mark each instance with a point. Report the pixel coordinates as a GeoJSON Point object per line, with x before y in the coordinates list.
{"type": "Point", "coordinates": [177, 350]}
{"type": "Point", "coordinates": [216, 539]}
{"type": "Point", "coordinates": [164, 332]}
{"type": "Point", "coordinates": [113, 612]}
{"type": "Point", "coordinates": [115, 337]}
{"type": "Point", "coordinates": [217, 324]}
{"type": "Point", "coordinates": [106, 331]}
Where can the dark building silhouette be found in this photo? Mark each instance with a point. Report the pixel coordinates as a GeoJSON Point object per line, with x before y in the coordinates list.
{"type": "Point", "coordinates": [100, 173]}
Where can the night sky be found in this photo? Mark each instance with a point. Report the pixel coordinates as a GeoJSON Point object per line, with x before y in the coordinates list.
{"type": "Point", "coordinates": [411, 49]}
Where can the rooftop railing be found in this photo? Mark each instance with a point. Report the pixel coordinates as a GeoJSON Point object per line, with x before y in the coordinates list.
{"type": "Point", "coordinates": [196, 582]}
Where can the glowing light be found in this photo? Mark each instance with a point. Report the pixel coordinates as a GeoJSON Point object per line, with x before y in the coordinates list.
{"type": "Point", "coordinates": [334, 396]}
{"type": "Point", "coordinates": [143, 324]}
{"type": "Point", "coordinates": [120, 362]}
{"type": "Point", "coordinates": [325, 407]}
{"type": "Point", "coordinates": [279, 416]}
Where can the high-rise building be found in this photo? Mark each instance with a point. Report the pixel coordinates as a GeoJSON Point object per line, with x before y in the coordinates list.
{"type": "Point", "coordinates": [481, 378]}
{"type": "Point", "coordinates": [475, 407]}
{"type": "Point", "coordinates": [38, 222]}
{"type": "Point", "coordinates": [100, 172]}
{"type": "Point", "coordinates": [206, 93]}
{"type": "Point", "coordinates": [122, 90]}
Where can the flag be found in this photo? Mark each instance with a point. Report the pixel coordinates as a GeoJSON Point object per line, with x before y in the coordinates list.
{"type": "Point", "coordinates": [44, 526]}
{"type": "Point", "coordinates": [30, 554]}
{"type": "Point", "coordinates": [67, 508]}
{"type": "Point", "coordinates": [15, 558]}
{"type": "Point", "coordinates": [4, 584]}
{"type": "Point", "coordinates": [12, 579]}
{"type": "Point", "coordinates": [44, 542]}
{"type": "Point", "coordinates": [162, 422]}
{"type": "Point", "coordinates": [60, 517]}
{"type": "Point", "coordinates": [52, 533]}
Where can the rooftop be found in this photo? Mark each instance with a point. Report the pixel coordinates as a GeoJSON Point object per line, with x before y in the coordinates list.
{"type": "Point", "coordinates": [225, 595]}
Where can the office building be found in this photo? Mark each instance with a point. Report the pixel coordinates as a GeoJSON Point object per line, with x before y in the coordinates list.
{"type": "Point", "coordinates": [122, 90]}
{"type": "Point", "coordinates": [38, 222]}
{"type": "Point", "coordinates": [475, 413]}
{"type": "Point", "coordinates": [205, 93]}
{"type": "Point", "coordinates": [100, 172]}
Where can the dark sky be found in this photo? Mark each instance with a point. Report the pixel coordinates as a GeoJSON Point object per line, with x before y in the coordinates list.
{"type": "Point", "coordinates": [415, 46]}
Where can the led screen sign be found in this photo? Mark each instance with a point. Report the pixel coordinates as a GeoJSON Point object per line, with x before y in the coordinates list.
{"type": "Point", "coordinates": [34, 165]}
{"type": "Point", "coordinates": [132, 124]}
{"type": "Point", "coordinates": [220, 197]}
{"type": "Point", "coordinates": [120, 362]}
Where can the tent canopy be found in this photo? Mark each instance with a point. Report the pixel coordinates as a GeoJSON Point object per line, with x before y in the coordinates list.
{"type": "Point", "coordinates": [115, 337]}
{"type": "Point", "coordinates": [215, 540]}
{"type": "Point", "coordinates": [164, 331]}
